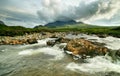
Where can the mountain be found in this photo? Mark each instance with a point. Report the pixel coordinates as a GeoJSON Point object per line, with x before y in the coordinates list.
{"type": "Point", "coordinates": [13, 30]}
{"type": "Point", "coordinates": [117, 28]}
{"type": "Point", "coordinates": [60, 23]}
{"type": "Point", "coordinates": [38, 26]}
{"type": "Point", "coordinates": [2, 23]}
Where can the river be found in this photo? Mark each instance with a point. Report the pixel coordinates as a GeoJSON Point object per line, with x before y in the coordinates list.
{"type": "Point", "coordinates": [42, 60]}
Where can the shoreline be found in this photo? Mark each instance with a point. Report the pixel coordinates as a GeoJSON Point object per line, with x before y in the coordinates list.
{"type": "Point", "coordinates": [28, 38]}
{"type": "Point", "coordinates": [32, 38]}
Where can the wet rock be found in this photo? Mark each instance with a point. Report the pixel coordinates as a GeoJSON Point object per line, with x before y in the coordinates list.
{"type": "Point", "coordinates": [62, 46]}
{"type": "Point", "coordinates": [115, 54]}
{"type": "Point", "coordinates": [84, 47]}
{"type": "Point", "coordinates": [53, 36]}
{"type": "Point", "coordinates": [118, 53]}
{"type": "Point", "coordinates": [112, 74]}
{"type": "Point", "coordinates": [18, 42]}
{"type": "Point", "coordinates": [31, 41]}
{"type": "Point", "coordinates": [51, 42]}
{"type": "Point", "coordinates": [80, 47]}
{"type": "Point", "coordinates": [99, 44]}
{"type": "Point", "coordinates": [63, 40]}
{"type": "Point", "coordinates": [27, 38]}
{"type": "Point", "coordinates": [42, 33]}
{"type": "Point", "coordinates": [57, 41]}
{"type": "Point", "coordinates": [102, 35]}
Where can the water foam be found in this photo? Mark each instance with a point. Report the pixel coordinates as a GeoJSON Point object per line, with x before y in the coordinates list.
{"type": "Point", "coordinates": [111, 42]}
{"type": "Point", "coordinates": [99, 63]}
{"type": "Point", "coordinates": [54, 51]}
{"type": "Point", "coordinates": [26, 52]}
{"type": "Point", "coordinates": [94, 65]}
{"type": "Point", "coordinates": [57, 53]}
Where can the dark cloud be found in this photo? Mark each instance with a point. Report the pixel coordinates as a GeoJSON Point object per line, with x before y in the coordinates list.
{"type": "Point", "coordinates": [85, 11]}
{"type": "Point", "coordinates": [31, 13]}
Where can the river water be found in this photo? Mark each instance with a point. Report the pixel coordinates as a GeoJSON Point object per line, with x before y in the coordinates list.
{"type": "Point", "coordinates": [42, 60]}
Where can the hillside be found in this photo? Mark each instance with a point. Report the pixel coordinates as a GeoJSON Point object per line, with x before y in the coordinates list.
{"type": "Point", "coordinates": [2, 23]}
{"type": "Point", "coordinates": [12, 30]}
{"type": "Point", "coordinates": [59, 24]}
{"type": "Point", "coordinates": [67, 27]}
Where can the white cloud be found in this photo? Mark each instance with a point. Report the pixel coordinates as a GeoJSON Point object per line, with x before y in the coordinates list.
{"type": "Point", "coordinates": [44, 11]}
{"type": "Point", "coordinates": [80, 10]}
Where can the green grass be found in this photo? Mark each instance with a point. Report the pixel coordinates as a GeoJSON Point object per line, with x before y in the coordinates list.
{"type": "Point", "coordinates": [82, 28]}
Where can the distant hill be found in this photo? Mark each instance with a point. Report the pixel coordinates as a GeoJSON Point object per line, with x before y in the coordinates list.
{"type": "Point", "coordinates": [38, 26]}
{"type": "Point", "coordinates": [60, 23]}
{"type": "Point", "coordinates": [2, 24]}
{"type": "Point", "coordinates": [12, 30]}
{"type": "Point", "coordinates": [117, 28]}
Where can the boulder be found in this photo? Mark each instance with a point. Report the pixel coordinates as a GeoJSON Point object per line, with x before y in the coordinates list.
{"type": "Point", "coordinates": [85, 47]}
{"type": "Point", "coordinates": [51, 42]}
{"type": "Point", "coordinates": [57, 41]}
{"type": "Point", "coordinates": [81, 47]}
{"type": "Point", "coordinates": [42, 33]}
{"type": "Point", "coordinates": [18, 41]}
{"type": "Point", "coordinates": [102, 35]}
{"type": "Point", "coordinates": [63, 40]}
{"type": "Point", "coordinates": [118, 53]}
{"type": "Point", "coordinates": [115, 54]}
{"type": "Point", "coordinates": [53, 36]}
{"type": "Point", "coordinates": [32, 41]}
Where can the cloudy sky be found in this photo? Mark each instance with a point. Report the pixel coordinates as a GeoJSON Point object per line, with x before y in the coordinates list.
{"type": "Point", "coordinates": [30, 13]}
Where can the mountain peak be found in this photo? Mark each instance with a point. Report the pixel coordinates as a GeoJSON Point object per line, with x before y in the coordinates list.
{"type": "Point", "coordinates": [61, 23]}
{"type": "Point", "coordinates": [1, 22]}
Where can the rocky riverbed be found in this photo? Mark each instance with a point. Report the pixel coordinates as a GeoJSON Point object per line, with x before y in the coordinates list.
{"type": "Point", "coordinates": [78, 46]}
{"type": "Point", "coordinates": [28, 38]}
{"type": "Point", "coordinates": [83, 48]}
{"type": "Point", "coordinates": [61, 54]}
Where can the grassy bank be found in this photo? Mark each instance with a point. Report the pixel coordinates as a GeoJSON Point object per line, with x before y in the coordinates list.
{"type": "Point", "coordinates": [82, 28]}
{"type": "Point", "coordinates": [14, 30]}
{"type": "Point", "coordinates": [88, 29]}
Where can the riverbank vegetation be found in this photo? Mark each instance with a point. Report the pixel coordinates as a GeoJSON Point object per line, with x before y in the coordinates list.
{"type": "Point", "coordinates": [81, 28]}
